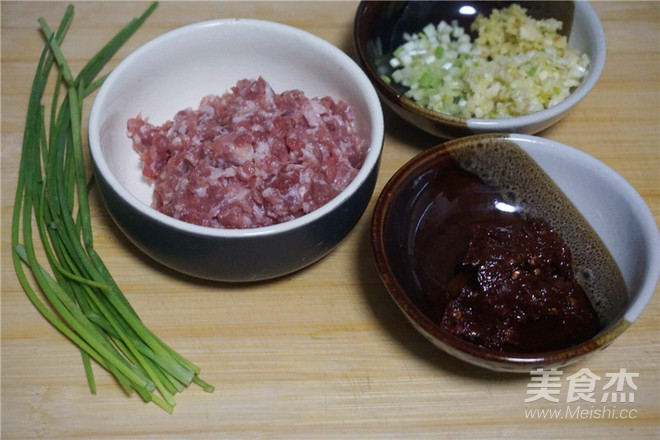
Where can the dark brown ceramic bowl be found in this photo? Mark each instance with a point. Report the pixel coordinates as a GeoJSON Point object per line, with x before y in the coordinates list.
{"type": "Point", "coordinates": [415, 228]}
{"type": "Point", "coordinates": [378, 31]}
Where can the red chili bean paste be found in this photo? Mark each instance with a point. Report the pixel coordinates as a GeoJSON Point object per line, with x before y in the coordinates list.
{"type": "Point", "coordinates": [251, 157]}
{"type": "Point", "coordinates": [485, 269]}
{"type": "Point", "coordinates": [515, 291]}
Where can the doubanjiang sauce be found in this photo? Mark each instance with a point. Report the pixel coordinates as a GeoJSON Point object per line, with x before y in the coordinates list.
{"type": "Point", "coordinates": [487, 266]}
{"type": "Point", "coordinates": [515, 290]}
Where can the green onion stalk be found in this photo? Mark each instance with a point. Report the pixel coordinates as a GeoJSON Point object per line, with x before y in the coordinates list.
{"type": "Point", "coordinates": [75, 291]}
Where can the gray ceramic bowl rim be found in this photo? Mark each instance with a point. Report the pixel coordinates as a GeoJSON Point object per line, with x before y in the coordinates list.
{"type": "Point", "coordinates": [556, 357]}
{"type": "Point", "coordinates": [596, 65]}
{"type": "Point", "coordinates": [347, 63]}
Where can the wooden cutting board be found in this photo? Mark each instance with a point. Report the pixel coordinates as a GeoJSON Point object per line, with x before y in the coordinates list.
{"type": "Point", "coordinates": [323, 353]}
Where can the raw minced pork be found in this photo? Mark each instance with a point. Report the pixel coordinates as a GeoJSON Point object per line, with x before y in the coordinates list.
{"type": "Point", "coordinates": [250, 157]}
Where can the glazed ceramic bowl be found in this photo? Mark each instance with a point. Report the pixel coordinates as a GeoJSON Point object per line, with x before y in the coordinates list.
{"type": "Point", "coordinates": [607, 226]}
{"type": "Point", "coordinates": [378, 31]}
{"type": "Point", "coordinates": [210, 58]}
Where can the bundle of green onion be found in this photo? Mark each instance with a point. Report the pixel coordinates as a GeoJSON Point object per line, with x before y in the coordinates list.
{"type": "Point", "coordinates": [78, 294]}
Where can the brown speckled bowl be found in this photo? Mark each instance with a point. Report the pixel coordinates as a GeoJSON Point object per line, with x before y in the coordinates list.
{"type": "Point", "coordinates": [596, 204]}
{"type": "Point", "coordinates": [378, 31]}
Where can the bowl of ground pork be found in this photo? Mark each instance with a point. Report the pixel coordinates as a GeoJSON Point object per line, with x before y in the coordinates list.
{"type": "Point", "coordinates": [454, 68]}
{"type": "Point", "coordinates": [236, 149]}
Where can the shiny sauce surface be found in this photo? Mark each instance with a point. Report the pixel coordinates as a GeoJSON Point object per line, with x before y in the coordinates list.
{"type": "Point", "coordinates": [486, 272]}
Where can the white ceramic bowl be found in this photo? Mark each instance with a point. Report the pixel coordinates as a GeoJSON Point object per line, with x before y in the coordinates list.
{"type": "Point", "coordinates": [173, 72]}
{"type": "Point", "coordinates": [379, 27]}
{"type": "Point", "coordinates": [610, 205]}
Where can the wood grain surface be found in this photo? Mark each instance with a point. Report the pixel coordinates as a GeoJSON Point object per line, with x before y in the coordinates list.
{"type": "Point", "coordinates": [323, 353]}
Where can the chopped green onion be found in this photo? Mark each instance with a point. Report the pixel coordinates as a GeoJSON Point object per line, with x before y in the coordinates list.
{"type": "Point", "coordinates": [517, 65]}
